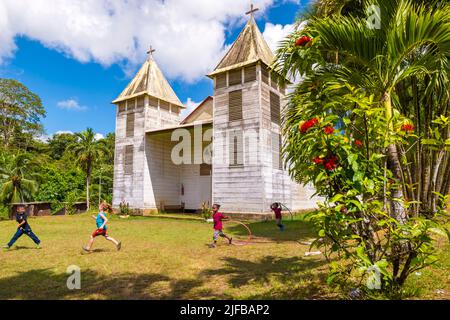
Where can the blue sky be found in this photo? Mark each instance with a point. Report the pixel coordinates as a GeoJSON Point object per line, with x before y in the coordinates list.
{"type": "Point", "coordinates": [77, 83]}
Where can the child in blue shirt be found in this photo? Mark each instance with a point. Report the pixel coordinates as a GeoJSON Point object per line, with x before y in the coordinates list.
{"type": "Point", "coordinates": [102, 229]}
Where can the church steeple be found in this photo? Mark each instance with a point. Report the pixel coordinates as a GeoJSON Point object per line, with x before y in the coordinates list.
{"type": "Point", "coordinates": [150, 81]}
{"type": "Point", "coordinates": [249, 47]}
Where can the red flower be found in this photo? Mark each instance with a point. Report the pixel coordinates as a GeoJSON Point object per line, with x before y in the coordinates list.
{"type": "Point", "coordinates": [358, 143]}
{"type": "Point", "coordinates": [318, 160]}
{"type": "Point", "coordinates": [303, 41]}
{"type": "Point", "coordinates": [308, 125]}
{"type": "Point", "coordinates": [330, 163]}
{"type": "Point", "coordinates": [328, 130]}
{"type": "Point", "coordinates": [408, 127]}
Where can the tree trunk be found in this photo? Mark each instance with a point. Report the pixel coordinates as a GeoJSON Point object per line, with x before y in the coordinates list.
{"type": "Point", "coordinates": [393, 163]}
{"type": "Point", "coordinates": [88, 183]}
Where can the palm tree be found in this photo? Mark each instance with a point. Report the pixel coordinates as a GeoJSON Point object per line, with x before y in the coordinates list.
{"type": "Point", "coordinates": [20, 179]}
{"type": "Point", "coordinates": [87, 150]}
{"type": "Point", "coordinates": [412, 40]}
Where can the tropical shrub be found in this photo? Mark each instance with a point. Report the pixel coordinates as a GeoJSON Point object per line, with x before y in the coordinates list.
{"type": "Point", "coordinates": [357, 127]}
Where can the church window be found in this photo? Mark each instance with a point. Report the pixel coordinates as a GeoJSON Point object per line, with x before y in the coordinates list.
{"type": "Point", "coordinates": [250, 74]}
{"type": "Point", "coordinates": [275, 108]}
{"type": "Point", "coordinates": [164, 105]}
{"type": "Point", "coordinates": [274, 80]}
{"type": "Point", "coordinates": [264, 75]}
{"type": "Point", "coordinates": [130, 125]}
{"type": "Point", "coordinates": [140, 103]}
{"type": "Point", "coordinates": [221, 81]}
{"type": "Point", "coordinates": [236, 149]}
{"type": "Point", "coordinates": [277, 161]}
{"type": "Point", "coordinates": [128, 160]}
{"type": "Point", "coordinates": [122, 107]}
{"type": "Point", "coordinates": [153, 102]}
{"type": "Point", "coordinates": [235, 77]}
{"type": "Point", "coordinates": [131, 104]}
{"type": "Point", "coordinates": [235, 105]}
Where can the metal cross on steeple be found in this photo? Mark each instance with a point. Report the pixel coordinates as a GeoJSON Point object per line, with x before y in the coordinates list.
{"type": "Point", "coordinates": [150, 52]}
{"type": "Point", "coordinates": [252, 10]}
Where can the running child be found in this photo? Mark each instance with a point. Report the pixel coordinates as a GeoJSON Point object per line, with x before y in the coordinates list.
{"type": "Point", "coordinates": [218, 226]}
{"type": "Point", "coordinates": [23, 228]}
{"type": "Point", "coordinates": [276, 208]}
{"type": "Point", "coordinates": [102, 228]}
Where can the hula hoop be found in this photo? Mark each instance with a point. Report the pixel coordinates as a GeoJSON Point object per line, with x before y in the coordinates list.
{"type": "Point", "coordinates": [290, 212]}
{"type": "Point", "coordinates": [249, 237]}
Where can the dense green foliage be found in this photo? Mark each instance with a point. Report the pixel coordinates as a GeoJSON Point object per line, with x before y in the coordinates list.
{"type": "Point", "coordinates": [56, 170]}
{"type": "Point", "coordinates": [368, 125]}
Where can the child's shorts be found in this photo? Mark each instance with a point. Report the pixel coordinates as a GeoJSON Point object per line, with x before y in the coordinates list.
{"type": "Point", "coordinates": [100, 232]}
{"type": "Point", "coordinates": [217, 234]}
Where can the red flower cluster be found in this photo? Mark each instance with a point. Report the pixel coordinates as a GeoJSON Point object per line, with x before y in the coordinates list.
{"type": "Point", "coordinates": [308, 125]}
{"type": "Point", "coordinates": [407, 127]}
{"type": "Point", "coordinates": [329, 163]}
{"type": "Point", "coordinates": [328, 130]}
{"type": "Point", "coordinates": [318, 160]}
{"type": "Point", "coordinates": [303, 41]}
{"type": "Point", "coordinates": [358, 143]}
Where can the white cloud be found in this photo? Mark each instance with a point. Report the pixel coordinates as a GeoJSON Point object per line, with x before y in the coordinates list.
{"type": "Point", "coordinates": [44, 138]}
{"type": "Point", "coordinates": [189, 35]}
{"type": "Point", "coordinates": [274, 33]}
{"type": "Point", "coordinates": [71, 105]}
{"type": "Point", "coordinates": [190, 106]}
{"type": "Point", "coordinates": [99, 136]}
{"type": "Point", "coordinates": [63, 132]}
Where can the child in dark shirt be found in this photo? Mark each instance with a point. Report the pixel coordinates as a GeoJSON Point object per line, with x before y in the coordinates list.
{"type": "Point", "coordinates": [23, 228]}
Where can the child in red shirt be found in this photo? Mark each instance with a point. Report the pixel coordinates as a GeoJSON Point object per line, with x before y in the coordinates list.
{"type": "Point", "coordinates": [218, 226]}
{"type": "Point", "coordinates": [276, 208]}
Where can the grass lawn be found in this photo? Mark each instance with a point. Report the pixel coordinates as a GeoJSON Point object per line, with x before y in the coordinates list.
{"type": "Point", "coordinates": [169, 259]}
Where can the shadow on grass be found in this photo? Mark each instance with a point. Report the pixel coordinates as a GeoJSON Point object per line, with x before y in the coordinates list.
{"type": "Point", "coordinates": [284, 278]}
{"type": "Point", "coordinates": [45, 284]}
{"type": "Point", "coordinates": [295, 230]}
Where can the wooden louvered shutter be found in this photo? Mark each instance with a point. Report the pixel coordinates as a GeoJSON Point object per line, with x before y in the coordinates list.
{"type": "Point", "coordinates": [130, 125]}
{"type": "Point", "coordinates": [128, 160]}
{"type": "Point", "coordinates": [175, 109]}
{"type": "Point", "coordinates": [164, 105]}
{"type": "Point", "coordinates": [122, 107]}
{"type": "Point", "coordinates": [221, 81]}
{"type": "Point", "coordinates": [153, 102]}
{"type": "Point", "coordinates": [250, 74]}
{"type": "Point", "coordinates": [235, 77]}
{"type": "Point", "coordinates": [275, 107]}
{"type": "Point", "coordinates": [236, 149]}
{"type": "Point", "coordinates": [274, 80]}
{"type": "Point", "coordinates": [131, 104]}
{"type": "Point", "coordinates": [140, 103]}
{"type": "Point", "coordinates": [264, 75]}
{"type": "Point", "coordinates": [276, 151]}
{"type": "Point", "coordinates": [235, 105]}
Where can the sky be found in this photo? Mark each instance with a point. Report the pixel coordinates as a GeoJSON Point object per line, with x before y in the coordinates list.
{"type": "Point", "coordinates": [78, 55]}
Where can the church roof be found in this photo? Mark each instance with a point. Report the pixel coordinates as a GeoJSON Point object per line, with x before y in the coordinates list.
{"type": "Point", "coordinates": [204, 111]}
{"type": "Point", "coordinates": [151, 81]}
{"type": "Point", "coordinates": [249, 47]}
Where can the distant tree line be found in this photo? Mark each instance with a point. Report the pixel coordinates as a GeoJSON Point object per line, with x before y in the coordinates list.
{"type": "Point", "coordinates": [64, 168]}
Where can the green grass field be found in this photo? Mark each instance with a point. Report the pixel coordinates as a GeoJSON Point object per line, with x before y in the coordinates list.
{"type": "Point", "coordinates": [169, 259]}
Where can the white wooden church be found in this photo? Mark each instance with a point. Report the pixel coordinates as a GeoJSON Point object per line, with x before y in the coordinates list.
{"type": "Point", "coordinates": [233, 154]}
